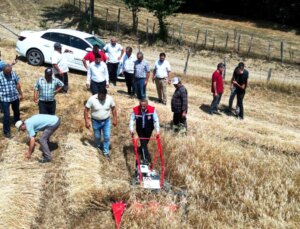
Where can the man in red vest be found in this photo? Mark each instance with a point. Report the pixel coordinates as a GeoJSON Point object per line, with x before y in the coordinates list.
{"type": "Point", "coordinates": [146, 120]}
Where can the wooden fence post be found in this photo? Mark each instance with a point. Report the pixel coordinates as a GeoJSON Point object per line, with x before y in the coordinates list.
{"type": "Point", "coordinates": [205, 39]}
{"type": "Point", "coordinates": [269, 51]}
{"type": "Point", "coordinates": [106, 18]}
{"type": "Point", "coordinates": [147, 30]}
{"type": "Point", "coordinates": [187, 61]}
{"type": "Point", "coordinates": [291, 52]}
{"type": "Point", "coordinates": [180, 34]}
{"type": "Point", "coordinates": [172, 37]}
{"type": "Point", "coordinates": [239, 43]}
{"type": "Point", "coordinates": [234, 39]}
{"type": "Point", "coordinates": [281, 51]}
{"type": "Point", "coordinates": [250, 45]}
{"type": "Point", "coordinates": [214, 40]}
{"type": "Point", "coordinates": [118, 20]}
{"type": "Point", "coordinates": [269, 75]}
{"type": "Point", "coordinates": [197, 38]}
{"type": "Point", "coordinates": [153, 32]}
{"type": "Point", "coordinates": [224, 73]}
{"type": "Point", "coordinates": [226, 42]}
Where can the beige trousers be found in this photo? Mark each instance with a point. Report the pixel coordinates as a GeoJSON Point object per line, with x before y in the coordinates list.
{"type": "Point", "coordinates": [161, 87]}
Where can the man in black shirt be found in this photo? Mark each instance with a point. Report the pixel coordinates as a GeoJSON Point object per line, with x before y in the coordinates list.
{"type": "Point", "coordinates": [241, 84]}
{"type": "Point", "coordinates": [238, 72]}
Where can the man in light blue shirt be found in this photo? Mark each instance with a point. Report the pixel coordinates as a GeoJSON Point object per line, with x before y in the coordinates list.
{"type": "Point", "coordinates": [141, 76]}
{"type": "Point", "coordinates": [39, 122]}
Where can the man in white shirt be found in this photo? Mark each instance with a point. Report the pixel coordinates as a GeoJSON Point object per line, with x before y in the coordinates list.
{"type": "Point", "coordinates": [100, 106]}
{"type": "Point", "coordinates": [161, 76]}
{"type": "Point", "coordinates": [114, 52]}
{"type": "Point", "coordinates": [97, 75]}
{"type": "Point", "coordinates": [128, 70]}
{"type": "Point", "coordinates": [60, 65]}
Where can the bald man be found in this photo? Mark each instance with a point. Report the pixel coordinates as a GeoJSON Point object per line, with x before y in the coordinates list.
{"type": "Point", "coordinates": [114, 54]}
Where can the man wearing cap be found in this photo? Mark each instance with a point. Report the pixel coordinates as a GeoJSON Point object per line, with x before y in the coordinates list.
{"type": "Point", "coordinates": [146, 120]}
{"type": "Point", "coordinates": [90, 56]}
{"type": "Point", "coordinates": [179, 106]}
{"type": "Point", "coordinates": [217, 88]}
{"type": "Point", "coordinates": [100, 105]}
{"type": "Point", "coordinates": [45, 90]}
{"type": "Point", "coordinates": [40, 122]}
{"type": "Point", "coordinates": [128, 70]}
{"type": "Point", "coordinates": [115, 52]}
{"type": "Point", "coordinates": [141, 75]}
{"type": "Point", "coordinates": [97, 75]}
{"type": "Point", "coordinates": [161, 76]}
{"type": "Point", "coordinates": [60, 65]}
{"type": "Point", "coordinates": [10, 94]}
{"type": "Point", "coordinates": [239, 72]}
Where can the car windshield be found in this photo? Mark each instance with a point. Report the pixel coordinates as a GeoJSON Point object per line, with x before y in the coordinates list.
{"type": "Point", "coordinates": [95, 41]}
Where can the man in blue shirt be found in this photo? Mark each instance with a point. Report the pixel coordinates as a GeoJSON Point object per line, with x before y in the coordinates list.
{"type": "Point", "coordinates": [10, 94]}
{"type": "Point", "coordinates": [45, 90]}
{"type": "Point", "coordinates": [39, 122]}
{"type": "Point", "coordinates": [141, 75]}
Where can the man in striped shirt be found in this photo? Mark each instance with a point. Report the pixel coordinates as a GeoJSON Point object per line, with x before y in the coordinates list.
{"type": "Point", "coordinates": [45, 90]}
{"type": "Point", "coordinates": [141, 76]}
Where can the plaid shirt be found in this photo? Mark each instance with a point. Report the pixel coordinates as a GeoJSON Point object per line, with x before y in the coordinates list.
{"type": "Point", "coordinates": [8, 87]}
{"type": "Point", "coordinates": [141, 69]}
{"type": "Point", "coordinates": [47, 90]}
{"type": "Point", "coordinates": [179, 101]}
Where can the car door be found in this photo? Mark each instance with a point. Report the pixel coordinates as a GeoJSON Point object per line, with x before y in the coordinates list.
{"type": "Point", "coordinates": [47, 46]}
{"type": "Point", "coordinates": [79, 47]}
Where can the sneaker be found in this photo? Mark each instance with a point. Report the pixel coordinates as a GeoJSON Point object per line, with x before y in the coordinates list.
{"type": "Point", "coordinates": [107, 156]}
{"type": "Point", "coordinates": [7, 135]}
{"type": "Point", "coordinates": [44, 160]}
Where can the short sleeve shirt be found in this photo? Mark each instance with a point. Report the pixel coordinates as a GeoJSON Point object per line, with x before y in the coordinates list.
{"type": "Point", "coordinates": [217, 77]}
{"type": "Point", "coordinates": [39, 122]}
{"type": "Point", "coordinates": [113, 52]}
{"type": "Point", "coordinates": [162, 69]}
{"type": "Point", "coordinates": [47, 89]}
{"type": "Point", "coordinates": [100, 110]}
{"type": "Point", "coordinates": [61, 61]}
{"type": "Point", "coordinates": [91, 57]}
{"type": "Point", "coordinates": [8, 87]}
{"type": "Point", "coordinates": [141, 69]}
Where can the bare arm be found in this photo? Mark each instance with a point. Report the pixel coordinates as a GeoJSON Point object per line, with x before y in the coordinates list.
{"type": "Point", "coordinates": [86, 118]}
{"type": "Point", "coordinates": [147, 77]}
{"type": "Point", "coordinates": [57, 69]}
{"type": "Point", "coordinates": [20, 91]}
{"type": "Point", "coordinates": [215, 88]}
{"type": "Point", "coordinates": [35, 96]}
{"type": "Point", "coordinates": [58, 90]}
{"type": "Point", "coordinates": [114, 112]}
{"type": "Point", "coordinates": [84, 63]}
{"type": "Point", "coordinates": [31, 147]}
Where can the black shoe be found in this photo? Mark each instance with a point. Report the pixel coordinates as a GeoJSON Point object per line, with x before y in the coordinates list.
{"type": "Point", "coordinates": [107, 156]}
{"type": "Point", "coordinates": [44, 160]}
{"type": "Point", "coordinates": [7, 135]}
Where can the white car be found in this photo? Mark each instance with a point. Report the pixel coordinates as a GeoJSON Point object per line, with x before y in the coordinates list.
{"type": "Point", "coordinates": [38, 47]}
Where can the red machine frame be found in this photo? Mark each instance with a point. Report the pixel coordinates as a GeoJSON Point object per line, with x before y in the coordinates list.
{"type": "Point", "coordinates": [159, 152]}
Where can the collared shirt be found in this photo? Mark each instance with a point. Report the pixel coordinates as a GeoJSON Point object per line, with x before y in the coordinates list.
{"type": "Point", "coordinates": [90, 56]}
{"type": "Point", "coordinates": [47, 89]}
{"type": "Point", "coordinates": [218, 78]}
{"type": "Point", "coordinates": [8, 87]}
{"type": "Point", "coordinates": [128, 63]}
{"type": "Point", "coordinates": [179, 101]}
{"type": "Point", "coordinates": [162, 69]}
{"type": "Point", "coordinates": [100, 110]}
{"type": "Point", "coordinates": [133, 118]}
{"type": "Point", "coordinates": [97, 73]}
{"type": "Point", "coordinates": [113, 52]}
{"type": "Point", "coordinates": [61, 60]}
{"type": "Point", "coordinates": [141, 69]}
{"type": "Point", "coordinates": [39, 122]}
{"type": "Point", "coordinates": [2, 64]}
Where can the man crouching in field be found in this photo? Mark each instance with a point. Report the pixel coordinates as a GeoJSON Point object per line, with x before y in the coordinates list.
{"type": "Point", "coordinates": [39, 122]}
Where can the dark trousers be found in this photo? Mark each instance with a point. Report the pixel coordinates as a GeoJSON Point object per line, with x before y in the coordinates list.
{"type": "Point", "coordinates": [240, 99]}
{"type": "Point", "coordinates": [129, 77]}
{"type": "Point", "coordinates": [112, 72]}
{"type": "Point", "coordinates": [140, 88]}
{"type": "Point", "coordinates": [95, 87]}
{"type": "Point", "coordinates": [47, 107]}
{"type": "Point", "coordinates": [231, 98]}
{"type": "Point", "coordinates": [143, 150]}
{"type": "Point", "coordinates": [65, 80]}
{"type": "Point", "coordinates": [15, 105]}
{"type": "Point", "coordinates": [179, 120]}
{"type": "Point", "coordinates": [215, 103]}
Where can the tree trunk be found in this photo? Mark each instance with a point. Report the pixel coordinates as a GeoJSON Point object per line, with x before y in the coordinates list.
{"type": "Point", "coordinates": [92, 12]}
{"type": "Point", "coordinates": [163, 31]}
{"type": "Point", "coordinates": [134, 21]}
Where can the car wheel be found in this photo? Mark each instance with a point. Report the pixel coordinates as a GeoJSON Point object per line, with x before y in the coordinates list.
{"type": "Point", "coordinates": [35, 57]}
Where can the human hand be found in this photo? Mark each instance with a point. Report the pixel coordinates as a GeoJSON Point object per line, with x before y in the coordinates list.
{"type": "Point", "coordinates": [115, 122]}
{"type": "Point", "coordinates": [88, 124]}
{"type": "Point", "coordinates": [184, 114]}
{"type": "Point", "coordinates": [88, 86]}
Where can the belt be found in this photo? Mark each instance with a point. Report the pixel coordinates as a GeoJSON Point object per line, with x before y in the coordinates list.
{"type": "Point", "coordinates": [46, 101]}
{"type": "Point", "coordinates": [160, 78]}
{"type": "Point", "coordinates": [97, 120]}
{"type": "Point", "coordinates": [139, 78]}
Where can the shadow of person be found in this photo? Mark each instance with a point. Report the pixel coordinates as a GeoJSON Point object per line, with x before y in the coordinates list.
{"type": "Point", "coordinates": [122, 92]}
{"type": "Point", "coordinates": [127, 151]}
{"type": "Point", "coordinates": [53, 146]}
{"type": "Point", "coordinates": [205, 108]}
{"type": "Point", "coordinates": [87, 141]}
{"type": "Point", "coordinates": [153, 99]}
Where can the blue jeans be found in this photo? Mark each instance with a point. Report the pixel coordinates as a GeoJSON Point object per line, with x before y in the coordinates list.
{"type": "Point", "coordinates": [103, 125]}
{"type": "Point", "coordinates": [140, 88]}
{"type": "Point", "coordinates": [215, 103]}
{"type": "Point", "coordinates": [6, 114]}
{"type": "Point", "coordinates": [231, 98]}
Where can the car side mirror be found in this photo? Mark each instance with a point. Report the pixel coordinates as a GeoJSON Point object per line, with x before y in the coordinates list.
{"type": "Point", "coordinates": [88, 49]}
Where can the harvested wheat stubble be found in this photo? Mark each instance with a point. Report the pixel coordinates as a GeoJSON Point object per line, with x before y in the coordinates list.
{"type": "Point", "coordinates": [21, 188]}
{"type": "Point", "coordinates": [86, 185]}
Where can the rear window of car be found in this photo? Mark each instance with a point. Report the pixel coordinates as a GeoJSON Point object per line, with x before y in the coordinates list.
{"type": "Point", "coordinates": [95, 41]}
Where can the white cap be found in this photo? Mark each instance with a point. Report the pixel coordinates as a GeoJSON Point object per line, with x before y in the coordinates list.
{"type": "Point", "coordinates": [18, 124]}
{"type": "Point", "coordinates": [175, 80]}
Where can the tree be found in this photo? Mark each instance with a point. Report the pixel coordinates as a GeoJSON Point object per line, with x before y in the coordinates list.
{"type": "Point", "coordinates": [134, 6]}
{"type": "Point", "coordinates": [162, 9]}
